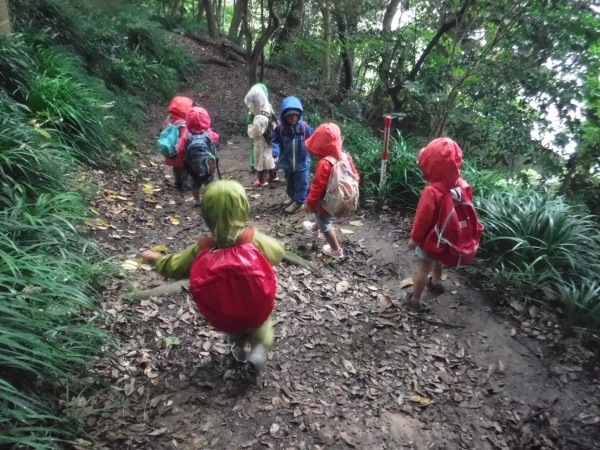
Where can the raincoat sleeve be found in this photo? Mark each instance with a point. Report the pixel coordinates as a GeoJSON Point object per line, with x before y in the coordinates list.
{"type": "Point", "coordinates": [319, 184]}
{"type": "Point", "coordinates": [177, 265]}
{"type": "Point", "coordinates": [425, 217]}
{"type": "Point", "coordinates": [271, 248]}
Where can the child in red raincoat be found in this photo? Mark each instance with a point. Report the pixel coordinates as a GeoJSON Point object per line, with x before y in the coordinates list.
{"type": "Point", "coordinates": [325, 141]}
{"type": "Point", "coordinates": [178, 109]}
{"type": "Point", "coordinates": [440, 161]}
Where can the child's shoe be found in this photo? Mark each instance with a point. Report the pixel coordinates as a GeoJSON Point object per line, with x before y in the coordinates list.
{"type": "Point", "coordinates": [240, 354]}
{"type": "Point", "coordinates": [287, 202]}
{"type": "Point", "coordinates": [310, 227]}
{"type": "Point", "coordinates": [260, 183]}
{"type": "Point", "coordinates": [327, 250]}
{"type": "Point", "coordinates": [435, 288]}
{"type": "Point", "coordinates": [295, 206]}
{"type": "Point", "coordinates": [407, 299]}
{"type": "Point", "coordinates": [258, 357]}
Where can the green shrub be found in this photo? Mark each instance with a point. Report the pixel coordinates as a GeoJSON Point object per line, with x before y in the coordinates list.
{"type": "Point", "coordinates": [48, 335]}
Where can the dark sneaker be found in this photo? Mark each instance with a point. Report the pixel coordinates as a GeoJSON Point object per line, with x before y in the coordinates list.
{"type": "Point", "coordinates": [287, 202]}
{"type": "Point", "coordinates": [435, 288]}
{"type": "Point", "coordinates": [295, 206]}
{"type": "Point", "coordinates": [258, 357]}
{"type": "Point", "coordinates": [407, 299]}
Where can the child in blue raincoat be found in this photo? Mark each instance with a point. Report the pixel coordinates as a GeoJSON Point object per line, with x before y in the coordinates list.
{"type": "Point", "coordinates": [294, 159]}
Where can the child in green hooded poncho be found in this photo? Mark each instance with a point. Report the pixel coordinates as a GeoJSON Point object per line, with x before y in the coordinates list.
{"type": "Point", "coordinates": [225, 209]}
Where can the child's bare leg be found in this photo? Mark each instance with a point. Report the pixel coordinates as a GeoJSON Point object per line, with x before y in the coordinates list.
{"type": "Point", "coordinates": [420, 278]}
{"type": "Point", "coordinates": [436, 277]}
{"type": "Point", "coordinates": [331, 239]}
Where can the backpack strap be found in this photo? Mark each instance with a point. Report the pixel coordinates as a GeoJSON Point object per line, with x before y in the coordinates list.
{"type": "Point", "coordinates": [245, 237]}
{"type": "Point", "coordinates": [332, 160]}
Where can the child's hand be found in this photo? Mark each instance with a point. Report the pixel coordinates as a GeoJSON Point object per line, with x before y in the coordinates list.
{"type": "Point", "coordinates": [412, 244]}
{"type": "Point", "coordinates": [150, 256]}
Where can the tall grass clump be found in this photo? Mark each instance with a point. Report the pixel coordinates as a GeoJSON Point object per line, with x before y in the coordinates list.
{"type": "Point", "coordinates": [129, 52]}
{"type": "Point", "coordinates": [543, 244]}
{"type": "Point", "coordinates": [48, 329]}
{"type": "Point", "coordinates": [404, 180]}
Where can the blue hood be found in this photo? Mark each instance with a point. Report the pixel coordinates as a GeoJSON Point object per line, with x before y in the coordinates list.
{"type": "Point", "coordinates": [291, 103]}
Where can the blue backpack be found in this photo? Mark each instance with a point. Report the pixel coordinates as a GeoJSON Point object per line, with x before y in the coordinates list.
{"type": "Point", "coordinates": [167, 141]}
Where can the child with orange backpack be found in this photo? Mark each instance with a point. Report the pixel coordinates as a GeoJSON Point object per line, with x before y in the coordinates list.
{"type": "Point", "coordinates": [446, 229]}
{"type": "Point", "coordinates": [231, 277]}
{"type": "Point", "coordinates": [174, 130]}
{"type": "Point", "coordinates": [334, 189]}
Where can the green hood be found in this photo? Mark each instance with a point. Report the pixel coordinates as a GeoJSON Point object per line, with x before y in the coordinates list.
{"type": "Point", "coordinates": [263, 87]}
{"type": "Point", "coordinates": [225, 210]}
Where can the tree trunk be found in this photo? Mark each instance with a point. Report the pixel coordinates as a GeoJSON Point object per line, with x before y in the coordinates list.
{"type": "Point", "coordinates": [261, 43]}
{"type": "Point", "coordinates": [5, 23]}
{"type": "Point", "coordinates": [247, 32]}
{"type": "Point", "coordinates": [291, 24]}
{"type": "Point", "coordinates": [211, 21]}
{"type": "Point", "coordinates": [236, 20]}
{"type": "Point", "coordinates": [325, 8]}
{"type": "Point", "coordinates": [200, 14]}
{"type": "Point", "coordinates": [346, 78]}
{"type": "Point", "coordinates": [173, 13]}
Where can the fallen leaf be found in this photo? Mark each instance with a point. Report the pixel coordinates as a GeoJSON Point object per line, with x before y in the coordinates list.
{"type": "Point", "coordinates": [172, 340]}
{"type": "Point", "coordinates": [148, 189]}
{"type": "Point", "coordinates": [174, 220]}
{"type": "Point", "coordinates": [424, 401]}
{"type": "Point", "coordinates": [342, 286]}
{"type": "Point", "coordinates": [129, 388]}
{"type": "Point", "coordinates": [385, 301]}
{"type": "Point", "coordinates": [159, 248]}
{"type": "Point", "coordinates": [274, 428]}
{"type": "Point", "coordinates": [346, 231]}
{"type": "Point", "coordinates": [129, 265]}
{"type": "Point", "coordinates": [348, 366]}
{"type": "Point", "coordinates": [158, 431]}
{"type": "Point", "coordinates": [406, 282]}
{"type": "Point", "coordinates": [356, 223]}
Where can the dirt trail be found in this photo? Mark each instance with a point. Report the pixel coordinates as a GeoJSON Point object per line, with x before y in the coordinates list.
{"type": "Point", "coordinates": [350, 369]}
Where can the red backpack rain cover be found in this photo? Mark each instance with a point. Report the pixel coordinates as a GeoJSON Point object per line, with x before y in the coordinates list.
{"type": "Point", "coordinates": [454, 239]}
{"type": "Point", "coordinates": [234, 287]}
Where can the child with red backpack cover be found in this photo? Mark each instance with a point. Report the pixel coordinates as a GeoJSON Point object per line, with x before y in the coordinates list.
{"type": "Point", "coordinates": [446, 229]}
{"type": "Point", "coordinates": [178, 109]}
{"type": "Point", "coordinates": [231, 277]}
{"type": "Point", "coordinates": [198, 147]}
{"type": "Point", "coordinates": [326, 144]}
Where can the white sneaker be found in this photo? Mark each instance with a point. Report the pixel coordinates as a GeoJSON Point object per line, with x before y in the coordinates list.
{"type": "Point", "coordinates": [334, 254]}
{"type": "Point", "coordinates": [310, 226]}
{"type": "Point", "coordinates": [258, 357]}
{"type": "Point", "coordinates": [287, 202]}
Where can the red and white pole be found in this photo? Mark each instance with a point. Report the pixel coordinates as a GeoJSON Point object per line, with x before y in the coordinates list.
{"type": "Point", "coordinates": [385, 153]}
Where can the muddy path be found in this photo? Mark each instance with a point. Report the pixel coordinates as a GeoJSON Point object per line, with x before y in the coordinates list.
{"type": "Point", "coordinates": [350, 368]}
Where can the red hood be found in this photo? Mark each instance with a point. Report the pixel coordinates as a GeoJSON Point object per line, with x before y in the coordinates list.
{"type": "Point", "coordinates": [441, 161]}
{"type": "Point", "coordinates": [325, 141]}
{"type": "Point", "coordinates": [197, 120]}
{"type": "Point", "coordinates": [180, 106]}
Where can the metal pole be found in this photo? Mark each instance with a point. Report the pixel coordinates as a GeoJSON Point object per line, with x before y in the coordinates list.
{"type": "Point", "coordinates": [385, 153]}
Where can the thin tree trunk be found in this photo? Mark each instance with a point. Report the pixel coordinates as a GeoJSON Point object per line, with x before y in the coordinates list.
{"type": "Point", "coordinates": [346, 79]}
{"type": "Point", "coordinates": [213, 31]}
{"type": "Point", "coordinates": [5, 23]}
{"type": "Point", "coordinates": [247, 32]}
{"type": "Point", "coordinates": [236, 20]}
{"type": "Point", "coordinates": [325, 8]}
{"type": "Point", "coordinates": [260, 44]}
{"type": "Point", "coordinates": [292, 23]}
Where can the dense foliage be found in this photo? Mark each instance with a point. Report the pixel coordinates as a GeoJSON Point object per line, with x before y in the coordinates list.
{"type": "Point", "coordinates": [72, 84]}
